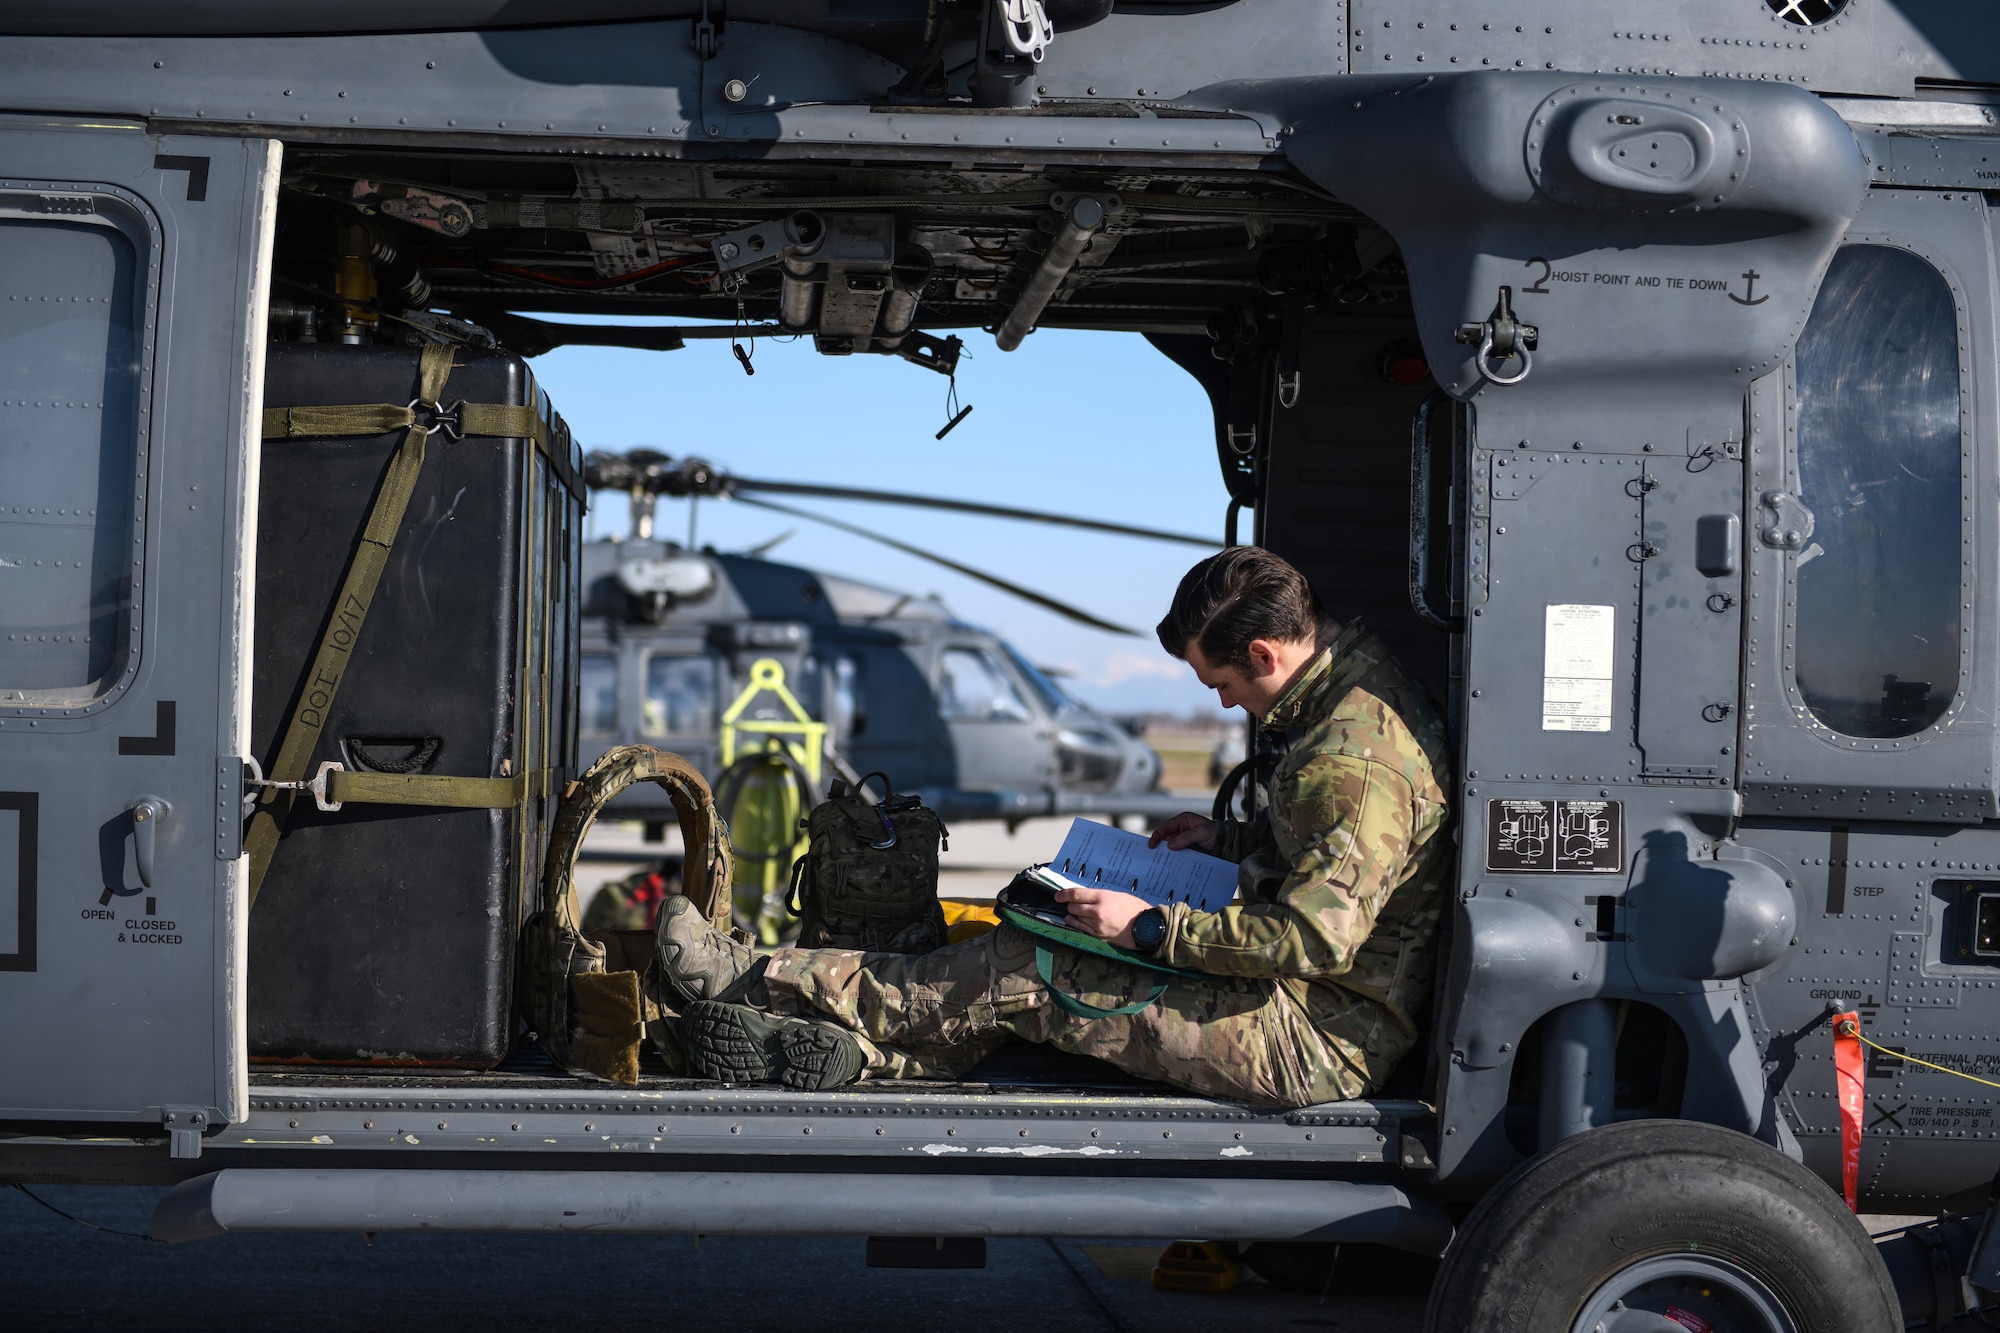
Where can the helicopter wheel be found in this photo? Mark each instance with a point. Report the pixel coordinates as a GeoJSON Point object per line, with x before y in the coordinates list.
{"type": "Point", "coordinates": [1656, 1224]}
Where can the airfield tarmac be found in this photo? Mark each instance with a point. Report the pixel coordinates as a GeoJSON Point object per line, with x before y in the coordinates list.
{"type": "Point", "coordinates": [59, 1275]}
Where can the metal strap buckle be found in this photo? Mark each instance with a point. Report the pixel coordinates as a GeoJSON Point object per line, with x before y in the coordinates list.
{"type": "Point", "coordinates": [432, 417]}
{"type": "Point", "coordinates": [317, 784]}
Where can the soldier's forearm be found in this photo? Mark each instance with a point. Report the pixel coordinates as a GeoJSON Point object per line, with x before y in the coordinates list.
{"type": "Point", "coordinates": [1265, 940]}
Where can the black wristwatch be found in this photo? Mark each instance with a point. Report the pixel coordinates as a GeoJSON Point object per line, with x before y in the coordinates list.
{"type": "Point", "coordinates": [1149, 929]}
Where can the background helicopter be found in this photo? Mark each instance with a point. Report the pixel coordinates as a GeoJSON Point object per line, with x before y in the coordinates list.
{"type": "Point", "coordinates": [775, 678]}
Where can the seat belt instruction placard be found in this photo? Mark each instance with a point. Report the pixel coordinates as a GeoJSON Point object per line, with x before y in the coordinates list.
{"type": "Point", "coordinates": [1576, 667]}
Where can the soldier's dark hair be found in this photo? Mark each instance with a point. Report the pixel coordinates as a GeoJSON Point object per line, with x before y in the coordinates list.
{"type": "Point", "coordinates": [1236, 596]}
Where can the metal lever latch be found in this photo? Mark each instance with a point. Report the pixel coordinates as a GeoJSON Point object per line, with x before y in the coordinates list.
{"type": "Point", "coordinates": [316, 784]}
{"type": "Point", "coordinates": [146, 817]}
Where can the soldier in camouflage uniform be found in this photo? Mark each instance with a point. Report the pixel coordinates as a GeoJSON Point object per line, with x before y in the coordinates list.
{"type": "Point", "coordinates": [1317, 977]}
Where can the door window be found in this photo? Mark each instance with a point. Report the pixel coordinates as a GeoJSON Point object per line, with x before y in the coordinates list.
{"type": "Point", "coordinates": [70, 367]}
{"type": "Point", "coordinates": [600, 694]}
{"type": "Point", "coordinates": [1879, 468]}
{"type": "Point", "coordinates": [972, 687]}
{"type": "Point", "coordinates": [680, 696]}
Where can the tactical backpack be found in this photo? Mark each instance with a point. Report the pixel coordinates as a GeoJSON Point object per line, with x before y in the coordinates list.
{"type": "Point", "coordinates": [869, 877]}
{"type": "Point", "coordinates": [591, 997]}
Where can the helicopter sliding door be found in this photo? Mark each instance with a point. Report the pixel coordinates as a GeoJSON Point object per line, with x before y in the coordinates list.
{"type": "Point", "coordinates": [1871, 678]}
{"type": "Point", "coordinates": [132, 267]}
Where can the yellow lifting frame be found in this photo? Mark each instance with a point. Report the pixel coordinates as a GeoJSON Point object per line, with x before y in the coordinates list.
{"type": "Point", "coordinates": [805, 738]}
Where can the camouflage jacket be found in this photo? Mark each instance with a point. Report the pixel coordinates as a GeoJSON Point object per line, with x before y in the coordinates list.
{"type": "Point", "coordinates": [1342, 881]}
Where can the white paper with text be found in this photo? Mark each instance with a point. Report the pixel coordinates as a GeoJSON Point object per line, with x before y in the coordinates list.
{"type": "Point", "coordinates": [1097, 856]}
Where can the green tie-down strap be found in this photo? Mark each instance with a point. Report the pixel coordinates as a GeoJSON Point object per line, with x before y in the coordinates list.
{"type": "Point", "coordinates": [433, 789]}
{"type": "Point", "coordinates": [1071, 938]}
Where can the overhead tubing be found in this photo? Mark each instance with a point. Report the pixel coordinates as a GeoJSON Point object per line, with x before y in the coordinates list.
{"type": "Point", "coordinates": [1083, 214]}
{"type": "Point", "coordinates": [716, 1203]}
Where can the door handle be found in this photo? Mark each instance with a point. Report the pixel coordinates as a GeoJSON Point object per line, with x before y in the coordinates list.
{"type": "Point", "coordinates": [1420, 518]}
{"type": "Point", "coordinates": [146, 816]}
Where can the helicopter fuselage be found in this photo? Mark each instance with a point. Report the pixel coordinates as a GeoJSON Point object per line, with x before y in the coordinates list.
{"type": "Point", "coordinates": [1634, 376]}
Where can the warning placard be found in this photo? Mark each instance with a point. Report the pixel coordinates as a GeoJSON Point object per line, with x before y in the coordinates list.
{"type": "Point", "coordinates": [1556, 837]}
{"type": "Point", "coordinates": [1578, 646]}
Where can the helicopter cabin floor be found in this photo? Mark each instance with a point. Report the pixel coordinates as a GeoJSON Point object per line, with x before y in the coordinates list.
{"type": "Point", "coordinates": [1024, 1103]}
{"type": "Point", "coordinates": [1026, 1110]}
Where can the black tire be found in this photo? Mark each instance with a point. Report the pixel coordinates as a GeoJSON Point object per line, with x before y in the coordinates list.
{"type": "Point", "coordinates": [1662, 1211]}
{"type": "Point", "coordinates": [1322, 1267]}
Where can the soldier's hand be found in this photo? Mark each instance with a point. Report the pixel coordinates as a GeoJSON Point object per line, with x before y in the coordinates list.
{"type": "Point", "coordinates": [1185, 830]}
{"type": "Point", "coordinates": [1105, 913]}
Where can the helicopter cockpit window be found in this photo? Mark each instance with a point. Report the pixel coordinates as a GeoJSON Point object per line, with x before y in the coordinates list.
{"type": "Point", "coordinates": [66, 531]}
{"type": "Point", "coordinates": [1878, 450]}
{"type": "Point", "coordinates": [599, 694]}
{"type": "Point", "coordinates": [1045, 689]}
{"type": "Point", "coordinates": [972, 687]}
{"type": "Point", "coordinates": [680, 696]}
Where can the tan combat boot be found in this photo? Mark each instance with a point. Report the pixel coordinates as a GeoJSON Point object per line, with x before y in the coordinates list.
{"type": "Point", "coordinates": [695, 961]}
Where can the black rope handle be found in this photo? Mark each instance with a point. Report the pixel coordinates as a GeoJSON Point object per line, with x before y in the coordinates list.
{"type": "Point", "coordinates": [422, 750]}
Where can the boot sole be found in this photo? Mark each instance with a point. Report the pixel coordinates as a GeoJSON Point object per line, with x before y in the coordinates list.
{"type": "Point", "coordinates": [733, 1043]}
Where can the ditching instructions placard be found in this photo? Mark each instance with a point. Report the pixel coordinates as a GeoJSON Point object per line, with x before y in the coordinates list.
{"type": "Point", "coordinates": [1556, 837]}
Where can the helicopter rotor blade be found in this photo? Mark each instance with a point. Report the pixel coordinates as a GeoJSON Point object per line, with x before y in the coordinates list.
{"type": "Point", "coordinates": [765, 548]}
{"type": "Point", "coordinates": [741, 484]}
{"type": "Point", "coordinates": [1026, 594]}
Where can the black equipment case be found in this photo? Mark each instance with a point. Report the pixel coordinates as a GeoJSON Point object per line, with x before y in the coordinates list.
{"type": "Point", "coordinates": [386, 933]}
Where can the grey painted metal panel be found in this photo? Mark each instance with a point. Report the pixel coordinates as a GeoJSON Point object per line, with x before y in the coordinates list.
{"type": "Point", "coordinates": [1564, 530]}
{"type": "Point", "coordinates": [1690, 621]}
{"type": "Point", "coordinates": [133, 1006]}
{"type": "Point", "coordinates": [640, 83]}
{"type": "Point", "coordinates": [1878, 49]}
{"type": "Point", "coordinates": [748, 1203]}
{"type": "Point", "coordinates": [257, 16]}
{"type": "Point", "coordinates": [1879, 936]}
{"type": "Point", "coordinates": [1162, 54]}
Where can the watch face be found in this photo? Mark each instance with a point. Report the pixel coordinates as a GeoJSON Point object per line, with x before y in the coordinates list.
{"type": "Point", "coordinates": [1149, 928]}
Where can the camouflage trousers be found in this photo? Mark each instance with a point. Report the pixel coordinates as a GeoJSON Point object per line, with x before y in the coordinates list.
{"type": "Point", "coordinates": [936, 1015]}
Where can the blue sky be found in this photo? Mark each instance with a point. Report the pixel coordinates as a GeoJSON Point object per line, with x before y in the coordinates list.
{"type": "Point", "coordinates": [1097, 424]}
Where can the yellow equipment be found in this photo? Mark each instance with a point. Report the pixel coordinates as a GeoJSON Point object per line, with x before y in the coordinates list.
{"type": "Point", "coordinates": [772, 751]}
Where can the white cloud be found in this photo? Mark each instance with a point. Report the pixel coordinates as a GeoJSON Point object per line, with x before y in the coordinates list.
{"type": "Point", "coordinates": [1119, 667]}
